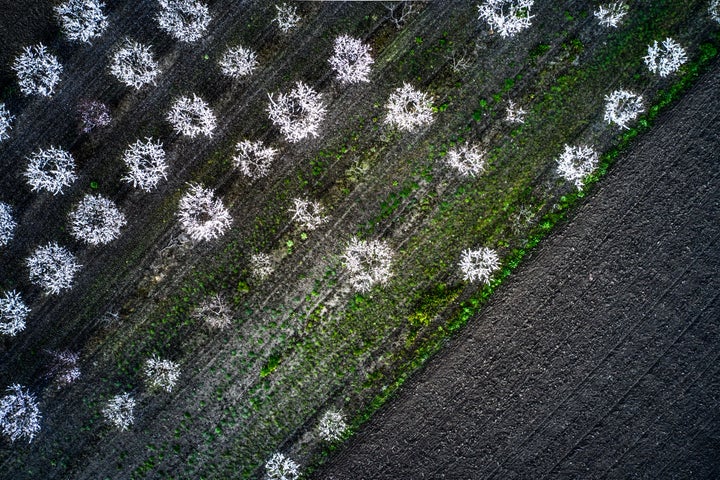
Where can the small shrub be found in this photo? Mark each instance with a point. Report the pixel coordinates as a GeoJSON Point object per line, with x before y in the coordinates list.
{"type": "Point", "coordinates": [214, 311]}
{"type": "Point", "coordinates": [64, 369]}
{"type": "Point", "coordinates": [514, 113]}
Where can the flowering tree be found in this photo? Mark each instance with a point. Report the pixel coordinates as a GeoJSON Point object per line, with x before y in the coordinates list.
{"type": "Point", "coordinates": [146, 161]}
{"type": "Point", "coordinates": [5, 122]}
{"type": "Point", "coordinates": [332, 425]}
{"type": "Point", "coordinates": [38, 71]}
{"type": "Point", "coordinates": [368, 263]}
{"type": "Point", "coordinates": [64, 368]}
{"type": "Point", "coordinates": [576, 163]}
{"type": "Point", "coordinates": [184, 20]}
{"type": "Point", "coordinates": [351, 60]}
{"type": "Point", "coordinates": [13, 313]}
{"type": "Point", "coordinates": [7, 224]}
{"type": "Point", "coordinates": [19, 414]}
{"type": "Point", "coordinates": [479, 265]}
{"type": "Point", "coordinates": [119, 411]}
{"type": "Point", "coordinates": [261, 265]}
{"type": "Point", "coordinates": [714, 10]}
{"type": "Point", "coordinates": [161, 374]}
{"type": "Point", "coordinates": [280, 467]}
{"type": "Point", "coordinates": [50, 169]}
{"type": "Point", "coordinates": [309, 214]}
{"type": "Point", "coordinates": [202, 216]}
{"type": "Point", "coordinates": [214, 311]}
{"type": "Point", "coordinates": [408, 109]}
{"type": "Point", "coordinates": [133, 64]}
{"type": "Point", "coordinates": [93, 114]}
{"type": "Point", "coordinates": [238, 62]}
{"type": "Point", "coordinates": [467, 160]}
{"type": "Point", "coordinates": [52, 267]}
{"type": "Point", "coordinates": [508, 17]}
{"type": "Point", "coordinates": [191, 117]}
{"type": "Point", "coordinates": [298, 114]}
{"type": "Point", "coordinates": [514, 113]}
{"type": "Point", "coordinates": [665, 58]}
{"type": "Point", "coordinates": [82, 20]}
{"type": "Point", "coordinates": [287, 17]}
{"type": "Point", "coordinates": [611, 14]}
{"type": "Point", "coordinates": [96, 220]}
{"type": "Point", "coordinates": [622, 107]}
{"type": "Point", "coordinates": [254, 158]}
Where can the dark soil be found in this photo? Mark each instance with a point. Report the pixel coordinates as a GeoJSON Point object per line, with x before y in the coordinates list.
{"type": "Point", "coordinates": [599, 357]}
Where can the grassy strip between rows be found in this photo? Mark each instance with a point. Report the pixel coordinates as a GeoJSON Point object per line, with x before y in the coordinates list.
{"type": "Point", "coordinates": [472, 306]}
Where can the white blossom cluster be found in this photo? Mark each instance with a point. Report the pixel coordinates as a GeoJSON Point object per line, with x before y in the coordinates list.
{"type": "Point", "coordinates": [308, 213]}
{"type": "Point", "coordinates": [408, 109]}
{"type": "Point", "coordinates": [38, 71]}
{"type": "Point", "coordinates": [5, 122]}
{"type": "Point", "coordinates": [64, 369]}
{"type": "Point", "coordinates": [119, 411]}
{"type": "Point", "coordinates": [468, 160]}
{"type": "Point", "coordinates": [368, 263]}
{"type": "Point", "coordinates": [146, 161]}
{"type": "Point", "coordinates": [7, 224]}
{"type": "Point", "coordinates": [514, 113]}
{"type": "Point", "coordinates": [261, 265]}
{"type": "Point", "coordinates": [19, 414]}
{"type": "Point", "coordinates": [202, 216]}
{"type": "Point", "coordinates": [93, 114]}
{"type": "Point", "coordinates": [622, 107]}
{"type": "Point", "coordinates": [96, 220]}
{"type": "Point", "coordinates": [576, 163]}
{"type": "Point", "coordinates": [298, 114]}
{"type": "Point", "coordinates": [280, 467]}
{"type": "Point", "coordinates": [52, 267]}
{"type": "Point", "coordinates": [254, 158]}
{"type": "Point", "coordinates": [13, 313]}
{"type": "Point", "coordinates": [82, 20]}
{"type": "Point", "coordinates": [351, 60]}
{"type": "Point", "coordinates": [162, 374]}
{"type": "Point", "coordinates": [191, 117]}
{"type": "Point", "coordinates": [184, 20]}
{"type": "Point", "coordinates": [611, 14]}
{"type": "Point", "coordinates": [665, 58]}
{"type": "Point", "coordinates": [507, 17]}
{"type": "Point", "coordinates": [214, 311]}
{"type": "Point", "coordinates": [479, 265]}
{"type": "Point", "coordinates": [50, 169]}
{"type": "Point", "coordinates": [287, 17]}
{"type": "Point", "coordinates": [238, 62]}
{"type": "Point", "coordinates": [714, 10]}
{"type": "Point", "coordinates": [332, 425]}
{"type": "Point", "coordinates": [133, 64]}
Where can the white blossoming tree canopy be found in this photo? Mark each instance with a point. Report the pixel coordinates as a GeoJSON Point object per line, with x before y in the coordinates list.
{"type": "Point", "coordinates": [622, 107]}
{"type": "Point", "coordinates": [50, 169]}
{"type": "Point", "coordinates": [298, 113]}
{"type": "Point", "coordinates": [506, 17]}
{"type": "Point", "coordinates": [184, 20]}
{"type": "Point", "coordinates": [7, 224]}
{"type": "Point", "coordinates": [19, 414]}
{"type": "Point", "coordinates": [191, 117]}
{"type": "Point", "coordinates": [5, 122]}
{"type": "Point", "coordinates": [479, 265]}
{"type": "Point", "coordinates": [13, 313]}
{"type": "Point", "coordinates": [52, 268]}
{"type": "Point", "coordinates": [133, 64]}
{"type": "Point", "coordinates": [96, 220]}
{"type": "Point", "coordinates": [238, 62]}
{"type": "Point", "coordinates": [576, 163]}
{"type": "Point", "coordinates": [351, 60]}
{"type": "Point", "coordinates": [146, 163]}
{"type": "Point", "coordinates": [202, 215]}
{"type": "Point", "coordinates": [408, 108]}
{"type": "Point", "coordinates": [38, 71]}
{"type": "Point", "coordinates": [82, 20]}
{"type": "Point", "coordinates": [368, 263]}
{"type": "Point", "coordinates": [119, 411]}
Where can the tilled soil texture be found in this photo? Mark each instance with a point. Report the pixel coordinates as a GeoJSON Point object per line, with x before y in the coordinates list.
{"type": "Point", "coordinates": [599, 357]}
{"type": "Point", "coordinates": [301, 341]}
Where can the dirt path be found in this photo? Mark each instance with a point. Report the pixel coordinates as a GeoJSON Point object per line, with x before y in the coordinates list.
{"type": "Point", "coordinates": [600, 357]}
